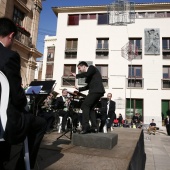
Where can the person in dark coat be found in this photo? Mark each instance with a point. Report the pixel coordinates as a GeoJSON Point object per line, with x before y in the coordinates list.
{"type": "Point", "coordinates": [19, 123]}
{"type": "Point", "coordinates": [96, 91]}
{"type": "Point", "coordinates": [167, 124]}
{"type": "Point", "coordinates": [107, 112]}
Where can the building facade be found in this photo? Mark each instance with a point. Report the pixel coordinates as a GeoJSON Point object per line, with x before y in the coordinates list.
{"type": "Point", "coordinates": [25, 13]}
{"type": "Point", "coordinates": [134, 59]}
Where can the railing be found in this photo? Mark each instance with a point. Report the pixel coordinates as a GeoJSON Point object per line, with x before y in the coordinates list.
{"type": "Point", "coordinates": [71, 49]}
{"type": "Point", "coordinates": [24, 39]}
{"type": "Point", "coordinates": [105, 82]}
{"type": "Point", "coordinates": [135, 82]}
{"type": "Point", "coordinates": [70, 54]}
{"type": "Point", "coordinates": [165, 83]}
{"type": "Point", "coordinates": [68, 81]}
{"type": "Point", "coordinates": [166, 55]}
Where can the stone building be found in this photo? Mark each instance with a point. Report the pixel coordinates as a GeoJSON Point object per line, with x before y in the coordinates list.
{"type": "Point", "coordinates": [25, 13]}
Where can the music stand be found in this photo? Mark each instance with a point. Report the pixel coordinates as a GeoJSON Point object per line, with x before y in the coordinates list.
{"type": "Point", "coordinates": [33, 90]}
{"type": "Point", "coordinates": [61, 106]}
{"type": "Point", "coordinates": [47, 87]}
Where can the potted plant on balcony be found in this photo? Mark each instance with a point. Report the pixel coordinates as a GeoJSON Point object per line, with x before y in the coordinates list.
{"type": "Point", "coordinates": [23, 30]}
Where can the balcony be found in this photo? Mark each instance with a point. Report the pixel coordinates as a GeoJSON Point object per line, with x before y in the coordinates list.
{"type": "Point", "coordinates": [166, 49]}
{"type": "Point", "coordinates": [135, 82]}
{"type": "Point", "coordinates": [71, 49]}
{"type": "Point", "coordinates": [68, 81]}
{"type": "Point", "coordinates": [102, 55]}
{"type": "Point", "coordinates": [24, 38]}
{"type": "Point", "coordinates": [105, 82]}
{"type": "Point", "coordinates": [166, 55]}
{"type": "Point", "coordinates": [165, 83]}
{"type": "Point", "coordinates": [70, 54]}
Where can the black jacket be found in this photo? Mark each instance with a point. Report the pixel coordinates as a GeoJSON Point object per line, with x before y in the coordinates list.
{"type": "Point", "coordinates": [112, 108]}
{"type": "Point", "coordinates": [16, 127]}
{"type": "Point", "coordinates": [93, 80]}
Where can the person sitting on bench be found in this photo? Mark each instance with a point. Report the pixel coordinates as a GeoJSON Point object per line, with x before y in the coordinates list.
{"type": "Point", "coordinates": [152, 127]}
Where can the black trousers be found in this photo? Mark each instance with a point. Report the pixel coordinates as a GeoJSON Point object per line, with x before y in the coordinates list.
{"type": "Point", "coordinates": [49, 116]}
{"type": "Point", "coordinates": [102, 118]}
{"type": "Point", "coordinates": [35, 133]}
{"type": "Point", "coordinates": [168, 129]}
{"type": "Point", "coordinates": [88, 111]}
{"type": "Point", "coordinates": [110, 121]}
{"type": "Point", "coordinates": [65, 115]}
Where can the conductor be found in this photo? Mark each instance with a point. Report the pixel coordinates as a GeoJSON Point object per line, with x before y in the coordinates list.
{"type": "Point", "coordinates": [96, 91]}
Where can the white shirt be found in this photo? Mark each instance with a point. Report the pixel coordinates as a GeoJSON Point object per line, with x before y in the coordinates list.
{"type": "Point", "coordinates": [2, 43]}
{"type": "Point", "coordinates": [108, 104]}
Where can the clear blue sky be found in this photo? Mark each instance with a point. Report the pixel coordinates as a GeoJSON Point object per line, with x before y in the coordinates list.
{"type": "Point", "coordinates": [48, 19]}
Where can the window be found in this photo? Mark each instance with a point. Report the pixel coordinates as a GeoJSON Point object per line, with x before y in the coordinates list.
{"type": "Point", "coordinates": [71, 44]}
{"type": "Point", "coordinates": [92, 16]}
{"type": "Point", "coordinates": [134, 106]}
{"type": "Point", "coordinates": [165, 108]}
{"type": "Point", "coordinates": [151, 14]}
{"type": "Point", "coordinates": [18, 16]}
{"type": "Point", "coordinates": [135, 48]}
{"type": "Point", "coordinates": [102, 43]}
{"type": "Point", "coordinates": [135, 76]}
{"type": "Point", "coordinates": [104, 73]}
{"type": "Point", "coordinates": [168, 14]}
{"type": "Point", "coordinates": [84, 16]}
{"type": "Point", "coordinates": [73, 19]}
{"type": "Point", "coordinates": [68, 80]}
{"type": "Point", "coordinates": [71, 48]}
{"type": "Point", "coordinates": [166, 43]}
{"type": "Point", "coordinates": [166, 48]}
{"type": "Point", "coordinates": [166, 72]}
{"type": "Point", "coordinates": [166, 77]}
{"type": "Point", "coordinates": [23, 34]}
{"type": "Point", "coordinates": [135, 71]}
{"type": "Point", "coordinates": [160, 14]}
{"type": "Point", "coordinates": [102, 19]}
{"type": "Point", "coordinates": [141, 15]}
{"type": "Point", "coordinates": [88, 16]}
{"type": "Point", "coordinates": [49, 70]}
{"type": "Point", "coordinates": [50, 53]}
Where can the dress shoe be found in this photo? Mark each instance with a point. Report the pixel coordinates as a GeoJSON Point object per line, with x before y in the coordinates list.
{"type": "Point", "coordinates": [94, 131]}
{"type": "Point", "coordinates": [74, 130]}
{"type": "Point", "coordinates": [85, 131]}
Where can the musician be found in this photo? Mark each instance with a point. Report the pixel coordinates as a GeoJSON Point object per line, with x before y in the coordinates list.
{"type": "Point", "coordinates": [19, 124]}
{"type": "Point", "coordinates": [47, 111]}
{"type": "Point", "coordinates": [63, 105]}
{"type": "Point", "coordinates": [107, 112]}
{"type": "Point", "coordinates": [96, 91]}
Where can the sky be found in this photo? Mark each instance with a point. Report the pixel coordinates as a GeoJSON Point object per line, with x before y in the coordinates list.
{"type": "Point", "coordinates": [48, 20]}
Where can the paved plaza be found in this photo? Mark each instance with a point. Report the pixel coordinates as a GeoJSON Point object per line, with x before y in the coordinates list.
{"type": "Point", "coordinates": [62, 155]}
{"type": "Point", "coordinates": [157, 149]}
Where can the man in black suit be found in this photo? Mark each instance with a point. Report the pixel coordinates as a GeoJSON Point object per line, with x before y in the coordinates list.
{"type": "Point", "coordinates": [107, 112]}
{"type": "Point", "coordinates": [19, 123]}
{"type": "Point", "coordinates": [63, 104]}
{"type": "Point", "coordinates": [96, 91]}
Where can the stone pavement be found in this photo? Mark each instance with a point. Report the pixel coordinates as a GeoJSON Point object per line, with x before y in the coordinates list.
{"type": "Point", "coordinates": [61, 155]}
{"type": "Point", "coordinates": [157, 149]}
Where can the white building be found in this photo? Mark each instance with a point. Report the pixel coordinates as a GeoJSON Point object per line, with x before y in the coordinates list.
{"type": "Point", "coordinates": [141, 85]}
